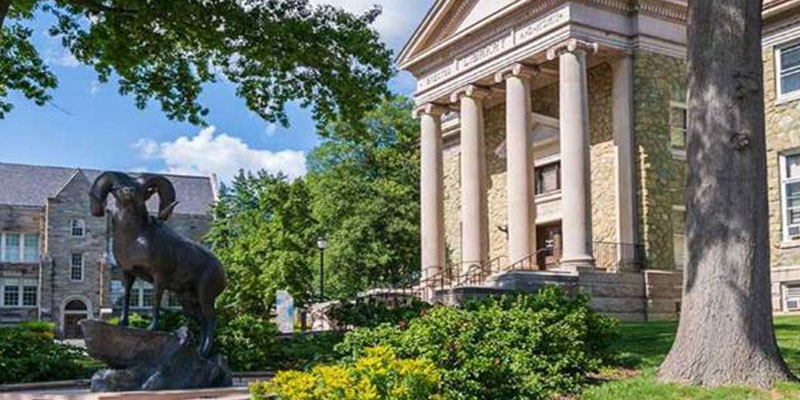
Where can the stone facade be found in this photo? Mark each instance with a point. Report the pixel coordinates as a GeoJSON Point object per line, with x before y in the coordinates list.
{"type": "Point", "coordinates": [545, 101]}
{"type": "Point", "coordinates": [660, 174]}
{"type": "Point", "coordinates": [783, 136]}
{"type": "Point", "coordinates": [65, 200]}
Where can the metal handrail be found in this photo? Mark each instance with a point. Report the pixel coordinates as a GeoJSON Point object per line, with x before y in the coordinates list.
{"type": "Point", "coordinates": [476, 274]}
{"type": "Point", "coordinates": [529, 262]}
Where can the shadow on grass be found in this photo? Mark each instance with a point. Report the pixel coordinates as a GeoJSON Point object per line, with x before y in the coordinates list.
{"type": "Point", "coordinates": [643, 344]}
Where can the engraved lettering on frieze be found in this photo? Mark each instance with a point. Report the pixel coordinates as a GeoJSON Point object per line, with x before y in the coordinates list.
{"type": "Point", "coordinates": [541, 26]}
{"type": "Point", "coordinates": [485, 52]}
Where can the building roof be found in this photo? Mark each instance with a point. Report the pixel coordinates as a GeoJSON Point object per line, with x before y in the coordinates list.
{"type": "Point", "coordinates": [32, 185]}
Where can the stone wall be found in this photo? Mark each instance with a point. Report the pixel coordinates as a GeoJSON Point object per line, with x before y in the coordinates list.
{"type": "Point", "coordinates": [545, 101]}
{"type": "Point", "coordinates": [20, 219]}
{"type": "Point", "coordinates": [783, 135]}
{"type": "Point", "coordinates": [636, 296]}
{"type": "Point", "coordinates": [58, 288]}
{"type": "Point", "coordinates": [660, 176]}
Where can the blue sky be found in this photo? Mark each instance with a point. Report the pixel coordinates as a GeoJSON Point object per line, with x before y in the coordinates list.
{"type": "Point", "coordinates": [90, 125]}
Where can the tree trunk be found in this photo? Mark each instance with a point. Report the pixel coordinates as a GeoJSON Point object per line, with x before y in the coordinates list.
{"type": "Point", "coordinates": [726, 335]}
{"type": "Point", "coordinates": [4, 6]}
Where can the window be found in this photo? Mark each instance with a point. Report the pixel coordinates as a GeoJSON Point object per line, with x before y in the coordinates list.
{"type": "Point", "coordinates": [793, 297]}
{"type": "Point", "coordinates": [76, 267]}
{"type": "Point", "coordinates": [12, 247]}
{"type": "Point", "coordinates": [142, 295]}
{"type": "Point", "coordinates": [30, 295]}
{"type": "Point", "coordinates": [678, 126]}
{"type": "Point", "coordinates": [78, 226]}
{"type": "Point", "coordinates": [788, 69]}
{"type": "Point", "coordinates": [790, 185]}
{"type": "Point", "coordinates": [18, 247]}
{"type": "Point", "coordinates": [31, 247]}
{"type": "Point", "coordinates": [548, 178]}
{"type": "Point", "coordinates": [18, 292]}
{"type": "Point", "coordinates": [679, 248]}
{"type": "Point", "coordinates": [117, 291]}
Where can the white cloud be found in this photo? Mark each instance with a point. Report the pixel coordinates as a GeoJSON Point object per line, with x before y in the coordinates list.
{"type": "Point", "coordinates": [225, 155]}
{"type": "Point", "coordinates": [271, 129]}
{"type": "Point", "coordinates": [398, 20]}
{"type": "Point", "coordinates": [61, 57]}
{"type": "Point", "coordinates": [94, 87]}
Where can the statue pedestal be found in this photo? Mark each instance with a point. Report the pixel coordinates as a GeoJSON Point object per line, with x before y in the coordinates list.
{"type": "Point", "coordinates": [144, 360]}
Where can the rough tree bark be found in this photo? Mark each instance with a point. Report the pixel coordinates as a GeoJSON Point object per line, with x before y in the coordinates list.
{"type": "Point", "coordinates": [726, 335]}
{"type": "Point", "coordinates": [4, 6]}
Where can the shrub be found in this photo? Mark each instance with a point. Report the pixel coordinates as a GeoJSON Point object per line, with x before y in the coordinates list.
{"type": "Point", "coordinates": [28, 355]}
{"type": "Point", "coordinates": [371, 313]}
{"type": "Point", "coordinates": [521, 347]}
{"type": "Point", "coordinates": [379, 375]}
{"type": "Point", "coordinates": [248, 341]}
{"type": "Point", "coordinates": [44, 329]}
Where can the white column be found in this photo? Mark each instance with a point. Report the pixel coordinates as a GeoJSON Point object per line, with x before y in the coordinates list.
{"type": "Point", "coordinates": [622, 93]}
{"type": "Point", "coordinates": [431, 190]}
{"type": "Point", "coordinates": [574, 125]}
{"type": "Point", "coordinates": [520, 176]}
{"type": "Point", "coordinates": [474, 221]}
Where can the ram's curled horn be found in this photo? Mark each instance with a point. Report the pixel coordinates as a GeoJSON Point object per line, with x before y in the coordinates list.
{"type": "Point", "coordinates": [102, 185]}
{"type": "Point", "coordinates": [166, 193]}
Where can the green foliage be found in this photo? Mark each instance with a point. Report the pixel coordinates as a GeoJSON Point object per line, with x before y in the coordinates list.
{"type": "Point", "coordinates": [303, 351]}
{"type": "Point", "coordinates": [379, 375]}
{"type": "Point", "coordinates": [27, 355]}
{"type": "Point", "coordinates": [365, 189]}
{"type": "Point", "coordinates": [372, 313]}
{"type": "Point", "coordinates": [44, 329]}
{"type": "Point", "coordinates": [248, 342]}
{"type": "Point", "coordinates": [264, 234]}
{"type": "Point", "coordinates": [274, 51]}
{"type": "Point", "coordinates": [22, 69]}
{"type": "Point", "coordinates": [526, 347]}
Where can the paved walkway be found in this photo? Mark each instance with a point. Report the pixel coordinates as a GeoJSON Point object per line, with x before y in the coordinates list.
{"type": "Point", "coordinates": [234, 393]}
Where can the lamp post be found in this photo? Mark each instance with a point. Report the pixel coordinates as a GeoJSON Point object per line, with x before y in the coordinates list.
{"type": "Point", "coordinates": [322, 243]}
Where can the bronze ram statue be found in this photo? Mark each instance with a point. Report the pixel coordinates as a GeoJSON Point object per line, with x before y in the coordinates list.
{"type": "Point", "coordinates": [145, 247]}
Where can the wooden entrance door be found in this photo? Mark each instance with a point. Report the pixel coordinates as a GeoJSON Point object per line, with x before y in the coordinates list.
{"type": "Point", "coordinates": [548, 245]}
{"type": "Point", "coordinates": [74, 312]}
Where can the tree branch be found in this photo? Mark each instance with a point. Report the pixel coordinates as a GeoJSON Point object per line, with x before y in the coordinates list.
{"type": "Point", "coordinates": [4, 6]}
{"type": "Point", "coordinates": [98, 7]}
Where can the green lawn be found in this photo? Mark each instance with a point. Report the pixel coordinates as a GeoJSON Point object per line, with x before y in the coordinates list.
{"type": "Point", "coordinates": [644, 345]}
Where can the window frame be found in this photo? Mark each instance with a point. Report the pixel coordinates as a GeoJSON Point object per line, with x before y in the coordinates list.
{"type": "Point", "coordinates": [72, 266]}
{"type": "Point", "coordinates": [21, 284]}
{"type": "Point", "coordinates": [677, 152]}
{"type": "Point", "coordinates": [784, 181]}
{"type": "Point", "coordinates": [20, 247]}
{"type": "Point", "coordinates": [82, 226]}
{"type": "Point", "coordinates": [537, 182]}
{"type": "Point", "coordinates": [779, 49]}
{"type": "Point", "coordinates": [786, 298]}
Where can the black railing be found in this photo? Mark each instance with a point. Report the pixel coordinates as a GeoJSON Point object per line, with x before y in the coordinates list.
{"type": "Point", "coordinates": [618, 256]}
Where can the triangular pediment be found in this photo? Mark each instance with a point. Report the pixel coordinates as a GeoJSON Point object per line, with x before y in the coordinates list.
{"type": "Point", "coordinates": [449, 18]}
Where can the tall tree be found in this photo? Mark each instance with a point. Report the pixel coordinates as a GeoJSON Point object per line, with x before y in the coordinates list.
{"type": "Point", "coordinates": [365, 186]}
{"type": "Point", "coordinates": [264, 234]}
{"type": "Point", "coordinates": [274, 51]}
{"type": "Point", "coordinates": [726, 333]}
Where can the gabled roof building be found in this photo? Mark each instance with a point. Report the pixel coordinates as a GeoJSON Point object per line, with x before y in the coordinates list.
{"type": "Point", "coordinates": [553, 138]}
{"type": "Point", "coordinates": [55, 261]}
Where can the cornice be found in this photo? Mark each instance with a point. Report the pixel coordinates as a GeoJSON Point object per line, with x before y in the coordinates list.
{"type": "Point", "coordinates": [445, 48]}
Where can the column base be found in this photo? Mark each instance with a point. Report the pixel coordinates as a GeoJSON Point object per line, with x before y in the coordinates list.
{"type": "Point", "coordinates": [576, 263]}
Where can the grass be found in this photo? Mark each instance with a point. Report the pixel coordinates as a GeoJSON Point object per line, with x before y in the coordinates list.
{"type": "Point", "coordinates": [643, 346]}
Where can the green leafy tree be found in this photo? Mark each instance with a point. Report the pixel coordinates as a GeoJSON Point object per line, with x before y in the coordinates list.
{"type": "Point", "coordinates": [364, 184]}
{"type": "Point", "coordinates": [264, 235]}
{"type": "Point", "coordinates": [274, 51]}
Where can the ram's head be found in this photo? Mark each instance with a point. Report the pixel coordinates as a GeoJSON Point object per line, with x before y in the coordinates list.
{"type": "Point", "coordinates": [132, 193]}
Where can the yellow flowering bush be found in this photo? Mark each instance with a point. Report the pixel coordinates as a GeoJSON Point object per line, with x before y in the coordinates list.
{"type": "Point", "coordinates": [379, 375]}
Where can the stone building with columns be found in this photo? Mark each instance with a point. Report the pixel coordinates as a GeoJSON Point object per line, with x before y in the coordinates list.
{"type": "Point", "coordinates": [553, 138]}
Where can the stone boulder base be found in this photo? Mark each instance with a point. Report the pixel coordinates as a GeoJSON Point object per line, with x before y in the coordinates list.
{"type": "Point", "coordinates": [145, 360]}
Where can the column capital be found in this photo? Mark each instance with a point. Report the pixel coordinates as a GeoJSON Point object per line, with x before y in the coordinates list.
{"type": "Point", "coordinates": [429, 109]}
{"type": "Point", "coordinates": [472, 91]}
{"type": "Point", "coordinates": [572, 46]}
{"type": "Point", "coordinates": [516, 70]}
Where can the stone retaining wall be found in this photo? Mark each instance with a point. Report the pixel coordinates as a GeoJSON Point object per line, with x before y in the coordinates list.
{"type": "Point", "coordinates": [629, 296]}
